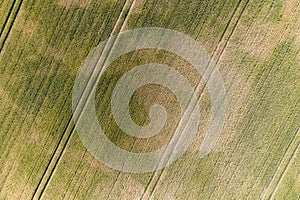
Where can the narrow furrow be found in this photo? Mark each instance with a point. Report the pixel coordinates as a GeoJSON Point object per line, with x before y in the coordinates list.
{"type": "Point", "coordinates": [15, 141]}
{"type": "Point", "coordinates": [219, 47]}
{"type": "Point", "coordinates": [118, 173]}
{"type": "Point", "coordinates": [248, 124]}
{"type": "Point", "coordinates": [252, 26]}
{"type": "Point", "coordinates": [19, 94]}
{"type": "Point", "coordinates": [282, 166]}
{"type": "Point", "coordinates": [65, 138]}
{"type": "Point", "coordinates": [115, 30]}
{"type": "Point", "coordinates": [13, 16]}
{"type": "Point", "coordinates": [61, 137]}
{"type": "Point", "coordinates": [259, 104]}
{"type": "Point", "coordinates": [246, 103]}
{"type": "Point", "coordinates": [7, 17]}
{"type": "Point", "coordinates": [274, 144]}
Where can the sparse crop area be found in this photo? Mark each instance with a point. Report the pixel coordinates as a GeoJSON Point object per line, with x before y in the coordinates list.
{"type": "Point", "coordinates": [256, 45]}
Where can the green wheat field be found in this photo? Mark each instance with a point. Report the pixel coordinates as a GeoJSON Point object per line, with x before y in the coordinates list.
{"type": "Point", "coordinates": [256, 44]}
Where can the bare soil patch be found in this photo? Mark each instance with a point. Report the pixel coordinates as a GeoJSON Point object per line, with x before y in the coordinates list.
{"type": "Point", "coordinates": [68, 3]}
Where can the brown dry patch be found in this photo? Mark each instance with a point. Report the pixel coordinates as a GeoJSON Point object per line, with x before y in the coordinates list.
{"type": "Point", "coordinates": [5, 100]}
{"type": "Point", "coordinates": [12, 188]}
{"type": "Point", "coordinates": [31, 33]}
{"type": "Point", "coordinates": [296, 28]}
{"type": "Point", "coordinates": [138, 5]}
{"type": "Point", "coordinates": [238, 91]}
{"type": "Point", "coordinates": [147, 96]}
{"type": "Point", "coordinates": [265, 35]}
{"type": "Point", "coordinates": [27, 26]}
{"type": "Point", "coordinates": [36, 133]}
{"type": "Point", "coordinates": [96, 164]}
{"type": "Point", "coordinates": [55, 53]}
{"type": "Point", "coordinates": [68, 3]}
{"type": "Point", "coordinates": [289, 8]}
{"type": "Point", "coordinates": [132, 188]}
{"type": "Point", "coordinates": [34, 137]}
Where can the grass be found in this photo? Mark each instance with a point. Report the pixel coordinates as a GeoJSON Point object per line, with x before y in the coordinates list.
{"type": "Point", "coordinates": [255, 44]}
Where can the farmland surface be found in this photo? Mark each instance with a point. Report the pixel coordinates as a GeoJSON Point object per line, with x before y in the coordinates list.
{"type": "Point", "coordinates": [256, 46]}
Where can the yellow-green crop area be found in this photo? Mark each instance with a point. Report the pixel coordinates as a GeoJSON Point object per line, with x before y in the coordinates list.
{"type": "Point", "coordinates": [256, 45]}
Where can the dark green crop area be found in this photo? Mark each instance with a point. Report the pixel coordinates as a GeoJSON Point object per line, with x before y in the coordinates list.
{"type": "Point", "coordinates": [256, 45]}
